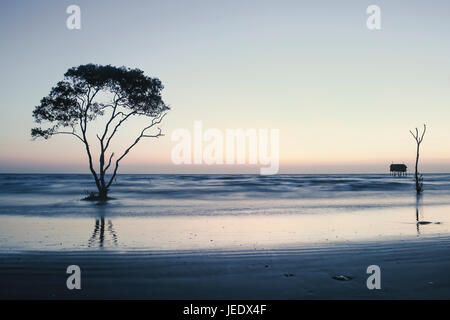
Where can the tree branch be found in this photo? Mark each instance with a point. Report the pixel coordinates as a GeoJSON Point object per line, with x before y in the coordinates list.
{"type": "Point", "coordinates": [423, 133]}
{"type": "Point", "coordinates": [67, 132]}
{"type": "Point", "coordinates": [155, 121]}
{"type": "Point", "coordinates": [109, 162]}
{"type": "Point", "coordinates": [117, 127]}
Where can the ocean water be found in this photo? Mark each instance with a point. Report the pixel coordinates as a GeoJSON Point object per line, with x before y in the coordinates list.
{"type": "Point", "coordinates": [197, 212]}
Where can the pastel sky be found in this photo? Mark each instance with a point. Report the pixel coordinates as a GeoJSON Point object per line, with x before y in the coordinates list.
{"type": "Point", "coordinates": [343, 97]}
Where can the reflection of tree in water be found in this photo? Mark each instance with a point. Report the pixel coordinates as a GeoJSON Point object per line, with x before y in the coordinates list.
{"type": "Point", "coordinates": [98, 236]}
{"type": "Point", "coordinates": [419, 212]}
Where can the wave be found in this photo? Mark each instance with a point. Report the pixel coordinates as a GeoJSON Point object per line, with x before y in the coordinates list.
{"type": "Point", "coordinates": [55, 194]}
{"type": "Point", "coordinates": [191, 185]}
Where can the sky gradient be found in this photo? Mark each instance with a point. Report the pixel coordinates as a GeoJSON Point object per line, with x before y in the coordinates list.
{"type": "Point", "coordinates": [343, 97]}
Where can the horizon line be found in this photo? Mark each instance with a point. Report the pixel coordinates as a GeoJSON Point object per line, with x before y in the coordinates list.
{"type": "Point", "coordinates": [197, 173]}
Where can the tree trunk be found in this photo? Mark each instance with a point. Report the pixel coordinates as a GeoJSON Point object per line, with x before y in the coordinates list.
{"type": "Point", "coordinates": [418, 188]}
{"type": "Point", "coordinates": [103, 193]}
{"type": "Point", "coordinates": [419, 139]}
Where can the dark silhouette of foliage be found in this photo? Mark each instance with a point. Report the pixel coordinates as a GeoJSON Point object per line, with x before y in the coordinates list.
{"type": "Point", "coordinates": [75, 102]}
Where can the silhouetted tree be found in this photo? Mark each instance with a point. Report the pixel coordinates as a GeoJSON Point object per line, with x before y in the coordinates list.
{"type": "Point", "coordinates": [419, 139]}
{"type": "Point", "coordinates": [89, 91]}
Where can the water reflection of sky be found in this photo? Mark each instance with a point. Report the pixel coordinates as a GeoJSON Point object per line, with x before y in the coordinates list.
{"type": "Point", "coordinates": [263, 231]}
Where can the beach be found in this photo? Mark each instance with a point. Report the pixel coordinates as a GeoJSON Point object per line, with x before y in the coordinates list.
{"type": "Point", "coordinates": [225, 237]}
{"type": "Point", "coordinates": [409, 270]}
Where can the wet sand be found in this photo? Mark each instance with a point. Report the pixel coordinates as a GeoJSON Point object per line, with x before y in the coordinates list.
{"type": "Point", "coordinates": [410, 269]}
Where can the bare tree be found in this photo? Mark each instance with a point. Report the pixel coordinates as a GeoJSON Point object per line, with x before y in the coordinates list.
{"type": "Point", "coordinates": [419, 139]}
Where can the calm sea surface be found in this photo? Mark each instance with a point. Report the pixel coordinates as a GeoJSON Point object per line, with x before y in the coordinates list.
{"type": "Point", "coordinates": [196, 212]}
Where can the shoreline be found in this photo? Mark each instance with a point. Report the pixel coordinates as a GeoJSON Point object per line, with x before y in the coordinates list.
{"type": "Point", "coordinates": [416, 269]}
